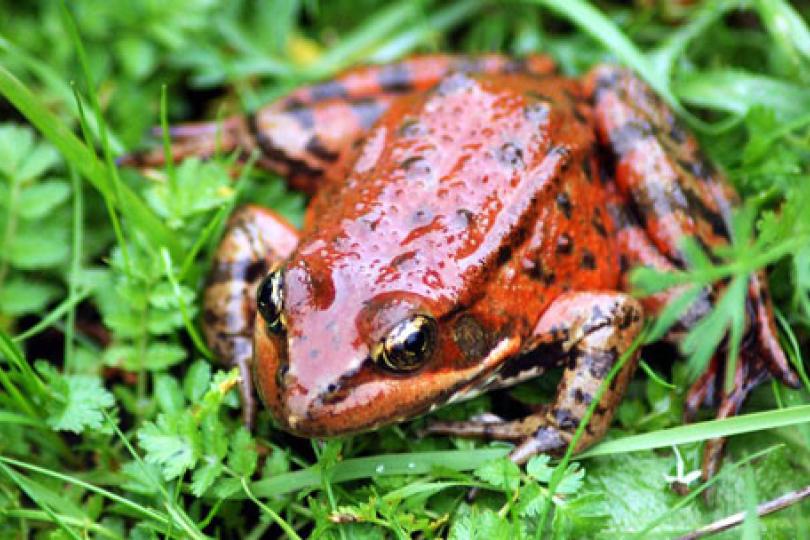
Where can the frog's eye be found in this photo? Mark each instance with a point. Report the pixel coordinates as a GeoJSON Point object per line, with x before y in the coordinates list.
{"type": "Point", "coordinates": [408, 345]}
{"type": "Point", "coordinates": [270, 300]}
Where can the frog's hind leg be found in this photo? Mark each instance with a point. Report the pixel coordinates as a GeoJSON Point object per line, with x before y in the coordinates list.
{"type": "Point", "coordinates": [588, 332]}
{"type": "Point", "coordinates": [673, 192]}
{"type": "Point", "coordinates": [313, 134]}
{"type": "Point", "coordinates": [672, 189]}
{"type": "Point", "coordinates": [255, 240]}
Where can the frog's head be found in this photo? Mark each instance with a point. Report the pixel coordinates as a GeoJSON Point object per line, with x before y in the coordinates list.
{"type": "Point", "coordinates": [335, 355]}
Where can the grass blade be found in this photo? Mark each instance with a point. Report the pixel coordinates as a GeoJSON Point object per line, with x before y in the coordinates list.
{"type": "Point", "coordinates": [76, 153]}
{"type": "Point", "coordinates": [702, 431]}
{"type": "Point", "coordinates": [736, 91]}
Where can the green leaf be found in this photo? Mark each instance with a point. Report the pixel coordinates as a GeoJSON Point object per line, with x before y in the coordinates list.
{"type": "Point", "coordinates": [31, 249]}
{"type": "Point", "coordinates": [141, 477]}
{"type": "Point", "coordinates": [78, 402]}
{"type": "Point", "coordinates": [40, 199]}
{"type": "Point", "coordinates": [199, 187]}
{"type": "Point", "coordinates": [160, 356]}
{"type": "Point", "coordinates": [213, 436]}
{"type": "Point", "coordinates": [571, 481]}
{"type": "Point", "coordinates": [136, 55]}
{"type": "Point", "coordinates": [168, 394]}
{"type": "Point", "coordinates": [22, 296]}
{"type": "Point", "coordinates": [21, 158]}
{"type": "Point", "coordinates": [532, 499]}
{"type": "Point", "coordinates": [580, 517]}
{"type": "Point", "coordinates": [278, 462]}
{"type": "Point", "coordinates": [243, 457]}
{"type": "Point", "coordinates": [481, 524]}
{"type": "Point", "coordinates": [501, 473]}
{"type": "Point", "coordinates": [205, 476]}
{"type": "Point", "coordinates": [539, 469]}
{"type": "Point", "coordinates": [172, 444]}
{"type": "Point", "coordinates": [197, 380]}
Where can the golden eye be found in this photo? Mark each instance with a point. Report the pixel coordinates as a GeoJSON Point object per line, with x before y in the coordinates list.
{"type": "Point", "coordinates": [408, 345]}
{"type": "Point", "coordinates": [270, 300]}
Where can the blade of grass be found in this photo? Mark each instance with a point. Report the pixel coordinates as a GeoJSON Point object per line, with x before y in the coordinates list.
{"type": "Point", "coordinates": [178, 515]}
{"type": "Point", "coordinates": [763, 509]}
{"type": "Point", "coordinates": [375, 28]}
{"type": "Point", "coordinates": [787, 28]}
{"type": "Point", "coordinates": [65, 307]}
{"type": "Point", "coordinates": [75, 266]}
{"type": "Point", "coordinates": [655, 377]}
{"type": "Point", "coordinates": [214, 225]}
{"type": "Point", "coordinates": [269, 511]}
{"type": "Point", "coordinates": [794, 351]}
{"type": "Point", "coordinates": [383, 465]}
{"type": "Point", "coordinates": [167, 140]}
{"type": "Point", "coordinates": [593, 22]}
{"type": "Point", "coordinates": [137, 508]}
{"type": "Point", "coordinates": [72, 149]}
{"type": "Point", "coordinates": [32, 382]}
{"type": "Point", "coordinates": [37, 515]}
{"type": "Point", "coordinates": [7, 417]}
{"type": "Point", "coordinates": [462, 460]}
{"type": "Point", "coordinates": [736, 91]}
{"type": "Point", "coordinates": [112, 170]}
{"type": "Point", "coordinates": [55, 82]}
{"type": "Point", "coordinates": [38, 494]}
{"type": "Point", "coordinates": [189, 324]}
{"type": "Point", "coordinates": [423, 31]}
{"type": "Point", "coordinates": [670, 49]}
{"type": "Point", "coordinates": [702, 431]}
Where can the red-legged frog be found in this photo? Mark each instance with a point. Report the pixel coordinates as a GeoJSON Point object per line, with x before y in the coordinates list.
{"type": "Point", "coordinates": [472, 224]}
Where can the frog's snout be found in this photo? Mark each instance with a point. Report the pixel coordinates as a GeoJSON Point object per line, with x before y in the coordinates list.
{"type": "Point", "coordinates": [284, 373]}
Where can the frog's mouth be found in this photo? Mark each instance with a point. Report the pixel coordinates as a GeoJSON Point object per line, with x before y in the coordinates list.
{"type": "Point", "coordinates": [373, 399]}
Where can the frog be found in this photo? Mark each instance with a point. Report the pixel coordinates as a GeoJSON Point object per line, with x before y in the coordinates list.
{"type": "Point", "coordinates": [473, 224]}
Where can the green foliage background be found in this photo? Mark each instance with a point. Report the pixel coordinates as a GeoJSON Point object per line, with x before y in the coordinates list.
{"type": "Point", "coordinates": [115, 422]}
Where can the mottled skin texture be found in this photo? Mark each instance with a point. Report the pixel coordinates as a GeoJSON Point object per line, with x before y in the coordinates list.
{"type": "Point", "coordinates": [489, 196]}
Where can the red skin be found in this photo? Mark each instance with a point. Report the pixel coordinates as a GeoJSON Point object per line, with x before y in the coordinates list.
{"type": "Point", "coordinates": [480, 203]}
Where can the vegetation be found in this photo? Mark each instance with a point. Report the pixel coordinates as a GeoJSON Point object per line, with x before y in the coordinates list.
{"type": "Point", "coordinates": [115, 420]}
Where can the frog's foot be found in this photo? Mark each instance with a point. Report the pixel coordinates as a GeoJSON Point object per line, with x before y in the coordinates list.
{"type": "Point", "coordinates": [588, 333]}
{"type": "Point", "coordinates": [488, 427]}
{"type": "Point", "coordinates": [703, 391]}
{"type": "Point", "coordinates": [200, 139]}
{"type": "Point", "coordinates": [255, 240]}
{"type": "Point", "coordinates": [750, 372]}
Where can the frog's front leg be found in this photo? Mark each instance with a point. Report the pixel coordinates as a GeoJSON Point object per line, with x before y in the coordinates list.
{"type": "Point", "coordinates": [587, 332]}
{"type": "Point", "coordinates": [255, 241]}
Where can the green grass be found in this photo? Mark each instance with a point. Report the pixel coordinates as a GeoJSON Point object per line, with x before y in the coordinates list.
{"type": "Point", "coordinates": [115, 420]}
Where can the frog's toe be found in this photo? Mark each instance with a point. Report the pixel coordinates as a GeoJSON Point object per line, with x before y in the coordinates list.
{"type": "Point", "coordinates": [545, 440]}
{"type": "Point", "coordinates": [702, 392]}
{"type": "Point", "coordinates": [750, 373]}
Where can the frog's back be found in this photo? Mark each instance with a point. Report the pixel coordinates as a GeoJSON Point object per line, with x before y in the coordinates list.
{"type": "Point", "coordinates": [438, 195]}
{"type": "Point", "coordinates": [453, 193]}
